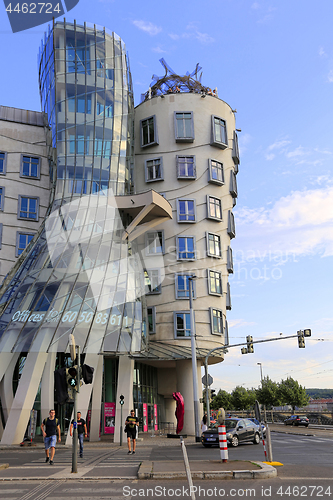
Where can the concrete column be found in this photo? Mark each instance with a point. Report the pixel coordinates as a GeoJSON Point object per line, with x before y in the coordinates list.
{"type": "Point", "coordinates": [170, 408]}
{"type": "Point", "coordinates": [95, 421]}
{"type": "Point", "coordinates": [6, 386]}
{"type": "Point", "coordinates": [124, 387]}
{"type": "Point", "coordinates": [47, 386]}
{"type": "Point", "coordinates": [24, 398]}
{"type": "Point", "coordinates": [185, 387]}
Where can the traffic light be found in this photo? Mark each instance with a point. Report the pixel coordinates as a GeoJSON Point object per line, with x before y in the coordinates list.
{"type": "Point", "coordinates": [121, 399]}
{"type": "Point", "coordinates": [249, 340]}
{"type": "Point", "coordinates": [243, 350]}
{"type": "Point", "coordinates": [301, 342]}
{"type": "Point", "coordinates": [307, 332]}
{"type": "Point", "coordinates": [60, 386]}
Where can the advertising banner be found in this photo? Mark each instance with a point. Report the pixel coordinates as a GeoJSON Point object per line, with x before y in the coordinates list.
{"type": "Point", "coordinates": [145, 417]}
{"type": "Point", "coordinates": [155, 418]}
{"type": "Point", "coordinates": [109, 417]}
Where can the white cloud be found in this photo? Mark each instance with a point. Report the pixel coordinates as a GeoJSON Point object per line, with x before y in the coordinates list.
{"type": "Point", "coordinates": [322, 52]}
{"type": "Point", "coordinates": [158, 50]}
{"type": "Point", "coordinates": [278, 144]}
{"type": "Point", "coordinates": [147, 27]}
{"type": "Point", "coordinates": [239, 323]}
{"type": "Point", "coordinates": [193, 32]}
{"type": "Point", "coordinates": [300, 151]}
{"type": "Point", "coordinates": [203, 37]}
{"type": "Point", "coordinates": [270, 156]}
{"type": "Point", "coordinates": [244, 140]}
{"type": "Point", "coordinates": [255, 6]}
{"type": "Point", "coordinates": [330, 76]}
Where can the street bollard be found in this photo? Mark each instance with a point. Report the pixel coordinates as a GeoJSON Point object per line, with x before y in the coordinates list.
{"type": "Point", "coordinates": [269, 444]}
{"type": "Point", "coordinates": [223, 443]}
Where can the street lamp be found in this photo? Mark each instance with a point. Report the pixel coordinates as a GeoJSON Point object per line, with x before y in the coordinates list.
{"type": "Point", "coordinates": [194, 363]}
{"type": "Point", "coordinates": [260, 372]}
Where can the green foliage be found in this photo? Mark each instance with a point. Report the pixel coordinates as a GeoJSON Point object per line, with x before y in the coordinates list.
{"type": "Point", "coordinates": [292, 393]}
{"type": "Point", "coordinates": [268, 394]}
{"type": "Point", "coordinates": [243, 399]}
{"type": "Point", "coordinates": [222, 400]}
{"type": "Point", "coordinates": [320, 393]}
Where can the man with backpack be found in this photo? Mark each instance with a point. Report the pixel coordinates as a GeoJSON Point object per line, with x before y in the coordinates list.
{"type": "Point", "coordinates": [50, 427]}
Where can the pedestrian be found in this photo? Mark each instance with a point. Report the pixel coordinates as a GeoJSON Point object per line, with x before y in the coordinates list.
{"type": "Point", "coordinates": [204, 423]}
{"type": "Point", "coordinates": [81, 430]}
{"type": "Point", "coordinates": [49, 427]}
{"type": "Point", "coordinates": [132, 422]}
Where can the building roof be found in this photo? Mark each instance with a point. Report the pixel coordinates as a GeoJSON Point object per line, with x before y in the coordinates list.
{"type": "Point", "coordinates": [22, 116]}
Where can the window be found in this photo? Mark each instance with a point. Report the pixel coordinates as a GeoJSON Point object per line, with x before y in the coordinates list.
{"type": "Point", "coordinates": [182, 324]}
{"type": "Point", "coordinates": [216, 321]}
{"type": "Point", "coordinates": [155, 242]}
{"type": "Point", "coordinates": [28, 208]}
{"type": "Point", "coordinates": [3, 162]}
{"type": "Point", "coordinates": [152, 281]}
{"type": "Point", "coordinates": [182, 286]}
{"type": "Point", "coordinates": [102, 148]}
{"type": "Point", "coordinates": [2, 197]}
{"type": "Point", "coordinates": [219, 132]}
{"type": "Point", "coordinates": [186, 248]}
{"type": "Point", "coordinates": [154, 170]}
{"type": "Point", "coordinates": [186, 211]}
{"type": "Point", "coordinates": [1, 235]}
{"type": "Point", "coordinates": [216, 172]}
{"type": "Point", "coordinates": [79, 144]}
{"type": "Point", "coordinates": [184, 129]}
{"type": "Point", "coordinates": [104, 108]}
{"type": "Point", "coordinates": [83, 104]}
{"type": "Point", "coordinates": [230, 262]}
{"type": "Point", "coordinates": [231, 225]}
{"type": "Point", "coordinates": [233, 184]}
{"type": "Point", "coordinates": [235, 152]}
{"type": "Point", "coordinates": [30, 167]}
{"type": "Point", "coordinates": [214, 208]}
{"type": "Point", "coordinates": [151, 314]}
{"type": "Point", "coordinates": [22, 241]}
{"type": "Point", "coordinates": [214, 282]}
{"type": "Point", "coordinates": [186, 167]}
{"type": "Point", "coordinates": [77, 48]}
{"type": "Point", "coordinates": [228, 299]}
{"type": "Point", "coordinates": [213, 245]}
{"type": "Point", "coordinates": [226, 333]}
{"type": "Point", "coordinates": [148, 132]}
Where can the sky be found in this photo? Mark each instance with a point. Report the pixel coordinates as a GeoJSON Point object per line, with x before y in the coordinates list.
{"type": "Point", "coordinates": [273, 62]}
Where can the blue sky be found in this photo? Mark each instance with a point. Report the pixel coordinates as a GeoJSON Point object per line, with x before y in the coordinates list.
{"type": "Point", "coordinates": [273, 62]}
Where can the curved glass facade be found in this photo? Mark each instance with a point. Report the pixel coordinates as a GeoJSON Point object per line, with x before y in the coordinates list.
{"type": "Point", "coordinates": [79, 275]}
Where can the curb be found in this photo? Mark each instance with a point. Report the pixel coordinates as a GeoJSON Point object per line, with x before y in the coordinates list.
{"type": "Point", "coordinates": [4, 466]}
{"type": "Point", "coordinates": [146, 471]}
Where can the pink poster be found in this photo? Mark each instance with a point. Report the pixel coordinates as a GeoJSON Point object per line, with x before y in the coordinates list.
{"type": "Point", "coordinates": [109, 417]}
{"type": "Point", "coordinates": [145, 417]}
{"type": "Point", "coordinates": [155, 418]}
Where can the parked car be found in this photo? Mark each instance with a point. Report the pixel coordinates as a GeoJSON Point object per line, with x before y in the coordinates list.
{"type": "Point", "coordinates": [297, 420]}
{"type": "Point", "coordinates": [263, 426]}
{"type": "Point", "coordinates": [238, 430]}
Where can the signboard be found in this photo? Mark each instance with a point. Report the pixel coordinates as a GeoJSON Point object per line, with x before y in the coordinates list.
{"type": "Point", "coordinates": [32, 424]}
{"type": "Point", "coordinates": [155, 418]}
{"type": "Point", "coordinates": [145, 417]}
{"type": "Point", "coordinates": [109, 417]}
{"type": "Point", "coordinates": [210, 380]}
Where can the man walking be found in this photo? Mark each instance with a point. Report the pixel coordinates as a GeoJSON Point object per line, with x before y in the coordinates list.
{"type": "Point", "coordinates": [50, 427]}
{"type": "Point", "coordinates": [132, 422]}
{"type": "Point", "coordinates": [81, 430]}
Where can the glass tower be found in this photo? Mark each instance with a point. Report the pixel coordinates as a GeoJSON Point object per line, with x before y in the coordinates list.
{"type": "Point", "coordinates": [79, 274]}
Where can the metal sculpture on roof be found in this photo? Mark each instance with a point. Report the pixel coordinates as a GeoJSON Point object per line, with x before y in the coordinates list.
{"type": "Point", "coordinates": [171, 83]}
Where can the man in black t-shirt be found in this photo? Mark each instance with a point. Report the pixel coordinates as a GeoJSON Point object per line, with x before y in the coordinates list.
{"type": "Point", "coordinates": [49, 427]}
{"type": "Point", "coordinates": [81, 430]}
{"type": "Point", "coordinates": [132, 422]}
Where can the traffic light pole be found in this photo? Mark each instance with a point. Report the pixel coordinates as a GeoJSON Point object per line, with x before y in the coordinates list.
{"type": "Point", "coordinates": [75, 432]}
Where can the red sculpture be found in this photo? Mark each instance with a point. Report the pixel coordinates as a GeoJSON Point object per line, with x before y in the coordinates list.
{"type": "Point", "coordinates": [179, 410]}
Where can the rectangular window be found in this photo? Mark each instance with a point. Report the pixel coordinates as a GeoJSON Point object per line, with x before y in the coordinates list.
{"type": "Point", "coordinates": [79, 146]}
{"type": "Point", "coordinates": [214, 282]}
{"type": "Point", "coordinates": [186, 211]}
{"type": "Point", "coordinates": [226, 333]}
{"type": "Point", "coordinates": [219, 132]}
{"type": "Point", "coordinates": [186, 248]}
{"type": "Point", "coordinates": [22, 241]}
{"type": "Point", "coordinates": [233, 184]}
{"type": "Point", "coordinates": [182, 286]}
{"type": "Point", "coordinates": [184, 129]}
{"type": "Point", "coordinates": [186, 167]}
{"type": "Point", "coordinates": [152, 281]}
{"type": "Point", "coordinates": [30, 167]}
{"type": "Point", "coordinates": [155, 242]}
{"type": "Point", "coordinates": [28, 208]}
{"type": "Point", "coordinates": [235, 152]}
{"type": "Point", "coordinates": [81, 62]}
{"type": "Point", "coordinates": [3, 158]}
{"type": "Point", "coordinates": [216, 318]}
{"type": "Point", "coordinates": [102, 148]}
{"type": "Point", "coordinates": [182, 324]}
{"type": "Point", "coordinates": [154, 170]}
{"type": "Point", "coordinates": [1, 235]}
{"type": "Point", "coordinates": [2, 198]}
{"type": "Point", "coordinates": [228, 298]}
{"type": "Point", "coordinates": [148, 132]}
{"type": "Point", "coordinates": [214, 208]}
{"type": "Point", "coordinates": [231, 225]}
{"type": "Point", "coordinates": [83, 104]}
{"type": "Point", "coordinates": [213, 245]}
{"type": "Point", "coordinates": [104, 108]}
{"type": "Point", "coordinates": [151, 314]}
{"type": "Point", "coordinates": [216, 172]}
{"type": "Point", "coordinates": [230, 263]}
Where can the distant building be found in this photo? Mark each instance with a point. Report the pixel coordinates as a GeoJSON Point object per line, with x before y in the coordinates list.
{"type": "Point", "coordinates": [137, 201]}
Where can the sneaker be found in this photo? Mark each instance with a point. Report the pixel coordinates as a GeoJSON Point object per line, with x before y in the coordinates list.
{"type": "Point", "coordinates": [47, 459]}
{"type": "Point", "coordinates": [129, 453]}
{"type": "Point", "coordinates": [51, 462]}
{"type": "Point", "coordinates": [133, 452]}
{"type": "Point", "coordinates": [81, 456]}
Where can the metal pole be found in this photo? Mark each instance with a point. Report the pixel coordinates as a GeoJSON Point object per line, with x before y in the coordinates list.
{"type": "Point", "coordinates": [194, 365]}
{"type": "Point", "coordinates": [75, 435]}
{"type": "Point", "coordinates": [207, 395]}
{"type": "Point", "coordinates": [121, 425]}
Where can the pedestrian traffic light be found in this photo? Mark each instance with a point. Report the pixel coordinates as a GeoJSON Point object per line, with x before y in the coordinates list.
{"type": "Point", "coordinates": [121, 400]}
{"type": "Point", "coordinates": [307, 332]}
{"type": "Point", "coordinates": [211, 394]}
{"type": "Point", "coordinates": [249, 340]}
{"type": "Point", "coordinates": [60, 386]}
{"type": "Point", "coordinates": [301, 342]}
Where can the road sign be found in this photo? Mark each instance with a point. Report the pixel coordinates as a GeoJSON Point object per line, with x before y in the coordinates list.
{"type": "Point", "coordinates": [210, 380]}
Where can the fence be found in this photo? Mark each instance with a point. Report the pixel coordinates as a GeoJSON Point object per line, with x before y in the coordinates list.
{"type": "Point", "coordinates": [272, 416]}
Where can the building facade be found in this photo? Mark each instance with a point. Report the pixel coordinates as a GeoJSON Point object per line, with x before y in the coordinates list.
{"type": "Point", "coordinates": [139, 201]}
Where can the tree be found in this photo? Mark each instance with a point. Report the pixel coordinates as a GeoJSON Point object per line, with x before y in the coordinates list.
{"type": "Point", "coordinates": [268, 394]}
{"type": "Point", "coordinates": [222, 400]}
{"type": "Point", "coordinates": [292, 393]}
{"type": "Point", "coordinates": [242, 398]}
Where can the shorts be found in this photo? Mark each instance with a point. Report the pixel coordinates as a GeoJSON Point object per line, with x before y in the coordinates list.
{"type": "Point", "coordinates": [131, 433]}
{"type": "Point", "coordinates": [50, 442]}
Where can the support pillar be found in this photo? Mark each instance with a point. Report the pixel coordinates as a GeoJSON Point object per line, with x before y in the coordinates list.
{"type": "Point", "coordinates": [125, 387]}
{"type": "Point", "coordinates": [6, 386]}
{"type": "Point", "coordinates": [96, 401]}
{"type": "Point", "coordinates": [47, 386]}
{"type": "Point", "coordinates": [185, 387]}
